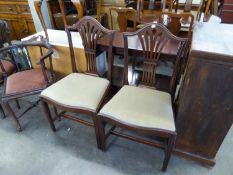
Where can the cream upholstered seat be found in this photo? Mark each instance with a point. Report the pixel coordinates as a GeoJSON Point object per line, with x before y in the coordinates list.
{"type": "Point", "coordinates": [141, 107]}
{"type": "Point", "coordinates": [77, 91]}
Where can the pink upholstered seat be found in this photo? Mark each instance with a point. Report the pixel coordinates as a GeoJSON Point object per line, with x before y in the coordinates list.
{"type": "Point", "coordinates": [9, 67]}
{"type": "Point", "coordinates": [25, 81]}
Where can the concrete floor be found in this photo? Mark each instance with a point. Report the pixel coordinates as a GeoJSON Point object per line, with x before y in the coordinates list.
{"type": "Point", "coordinates": [72, 150]}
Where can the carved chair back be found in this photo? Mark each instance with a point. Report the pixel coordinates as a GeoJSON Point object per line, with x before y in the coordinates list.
{"type": "Point", "coordinates": [20, 56]}
{"type": "Point", "coordinates": [153, 38]}
{"type": "Point", "coordinates": [4, 33]}
{"type": "Point", "coordinates": [90, 31]}
{"type": "Point", "coordinates": [123, 16]}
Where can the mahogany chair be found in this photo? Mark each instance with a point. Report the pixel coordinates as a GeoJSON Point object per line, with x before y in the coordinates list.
{"type": "Point", "coordinates": [143, 109]}
{"type": "Point", "coordinates": [81, 92]}
{"type": "Point", "coordinates": [26, 80]}
{"type": "Point", "coordinates": [175, 22]}
{"type": "Point", "coordinates": [124, 15]}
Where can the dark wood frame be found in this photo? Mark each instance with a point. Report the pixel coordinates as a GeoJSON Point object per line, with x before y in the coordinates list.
{"type": "Point", "coordinates": [42, 44]}
{"type": "Point", "coordinates": [148, 34]}
{"type": "Point", "coordinates": [90, 26]}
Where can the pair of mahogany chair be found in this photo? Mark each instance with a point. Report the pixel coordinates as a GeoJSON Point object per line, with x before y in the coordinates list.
{"type": "Point", "coordinates": [141, 109]}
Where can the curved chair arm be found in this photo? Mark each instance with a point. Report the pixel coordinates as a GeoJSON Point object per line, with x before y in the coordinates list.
{"type": "Point", "coordinates": [41, 62]}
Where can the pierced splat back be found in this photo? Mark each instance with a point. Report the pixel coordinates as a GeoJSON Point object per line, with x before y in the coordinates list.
{"type": "Point", "coordinates": [153, 39]}
{"type": "Point", "coordinates": [90, 31]}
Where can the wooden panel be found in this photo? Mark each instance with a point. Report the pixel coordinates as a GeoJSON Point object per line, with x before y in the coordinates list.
{"type": "Point", "coordinates": [206, 108]}
{"type": "Point", "coordinates": [18, 16]}
{"type": "Point", "coordinates": [24, 9]}
{"type": "Point", "coordinates": [8, 9]}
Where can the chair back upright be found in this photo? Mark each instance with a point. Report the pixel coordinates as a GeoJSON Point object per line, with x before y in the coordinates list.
{"type": "Point", "coordinates": [154, 40]}
{"type": "Point", "coordinates": [90, 31]}
{"type": "Point", "coordinates": [79, 7]}
{"type": "Point", "coordinates": [4, 33]}
{"type": "Point", "coordinates": [38, 5]}
{"type": "Point", "coordinates": [204, 7]}
{"type": "Point", "coordinates": [123, 17]}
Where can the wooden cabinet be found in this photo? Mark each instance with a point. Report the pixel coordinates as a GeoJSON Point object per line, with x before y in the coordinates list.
{"type": "Point", "coordinates": [18, 16]}
{"type": "Point", "coordinates": [205, 112]}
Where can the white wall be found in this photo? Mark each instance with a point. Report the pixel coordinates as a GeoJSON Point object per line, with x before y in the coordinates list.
{"type": "Point", "coordinates": [35, 16]}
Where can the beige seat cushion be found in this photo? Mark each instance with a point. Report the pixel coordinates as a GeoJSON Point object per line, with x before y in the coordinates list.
{"type": "Point", "coordinates": [141, 107]}
{"type": "Point", "coordinates": [77, 91]}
